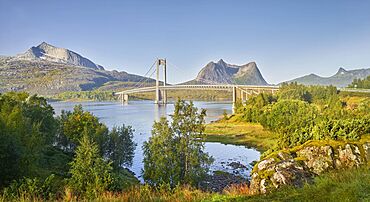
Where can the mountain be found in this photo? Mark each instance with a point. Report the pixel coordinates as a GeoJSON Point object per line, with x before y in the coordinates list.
{"type": "Point", "coordinates": [48, 70]}
{"type": "Point", "coordinates": [223, 73]}
{"type": "Point", "coordinates": [341, 79]}
{"type": "Point", "coordinates": [50, 53]}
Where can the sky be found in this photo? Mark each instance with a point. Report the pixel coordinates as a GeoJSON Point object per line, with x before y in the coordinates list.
{"type": "Point", "coordinates": [286, 38]}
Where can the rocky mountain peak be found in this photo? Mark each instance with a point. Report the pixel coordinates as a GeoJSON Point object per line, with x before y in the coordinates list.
{"type": "Point", "coordinates": [341, 70]}
{"type": "Point", "coordinates": [222, 72]}
{"type": "Point", "coordinates": [45, 45]}
{"type": "Point", "coordinates": [221, 62]}
{"type": "Point", "coordinates": [51, 53]}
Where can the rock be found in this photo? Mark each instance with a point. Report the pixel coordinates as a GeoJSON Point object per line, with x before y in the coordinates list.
{"type": "Point", "coordinates": [222, 73]}
{"type": "Point", "coordinates": [263, 186]}
{"type": "Point", "coordinates": [265, 163]}
{"type": "Point", "coordinates": [237, 165]}
{"type": "Point", "coordinates": [255, 183]}
{"type": "Point", "coordinates": [348, 157]}
{"type": "Point", "coordinates": [219, 180]}
{"type": "Point", "coordinates": [284, 155]}
{"type": "Point", "coordinates": [288, 172]}
{"type": "Point", "coordinates": [319, 158]}
{"type": "Point", "coordinates": [299, 167]}
{"type": "Point", "coordinates": [366, 148]}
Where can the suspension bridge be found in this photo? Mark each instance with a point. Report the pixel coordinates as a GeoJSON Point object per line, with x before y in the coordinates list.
{"type": "Point", "coordinates": [161, 87]}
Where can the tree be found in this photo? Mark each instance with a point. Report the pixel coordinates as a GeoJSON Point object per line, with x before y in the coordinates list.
{"type": "Point", "coordinates": [27, 127]}
{"type": "Point", "coordinates": [120, 146]}
{"type": "Point", "coordinates": [90, 174]}
{"type": "Point", "coordinates": [74, 124]}
{"type": "Point", "coordinates": [294, 91]}
{"type": "Point", "coordinates": [175, 152]}
{"type": "Point", "coordinates": [361, 83]}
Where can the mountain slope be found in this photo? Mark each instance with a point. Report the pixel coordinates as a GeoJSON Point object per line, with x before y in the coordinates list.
{"type": "Point", "coordinates": [45, 70]}
{"type": "Point", "coordinates": [341, 79]}
{"type": "Point", "coordinates": [223, 73]}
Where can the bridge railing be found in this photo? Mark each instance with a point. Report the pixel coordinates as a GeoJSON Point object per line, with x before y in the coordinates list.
{"type": "Point", "coordinates": [184, 87]}
{"type": "Point", "coordinates": [355, 90]}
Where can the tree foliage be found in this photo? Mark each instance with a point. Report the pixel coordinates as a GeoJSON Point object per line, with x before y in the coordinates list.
{"type": "Point", "coordinates": [35, 146]}
{"type": "Point", "coordinates": [90, 173]}
{"type": "Point", "coordinates": [74, 124]}
{"type": "Point", "coordinates": [27, 127]}
{"type": "Point", "coordinates": [300, 113]}
{"type": "Point", "coordinates": [175, 152]}
{"type": "Point", "coordinates": [360, 83]}
{"type": "Point", "coordinates": [120, 146]}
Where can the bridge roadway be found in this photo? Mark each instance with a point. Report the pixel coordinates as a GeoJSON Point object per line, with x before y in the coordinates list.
{"type": "Point", "coordinates": [197, 87]}
{"type": "Point", "coordinates": [244, 89]}
{"type": "Point", "coordinates": [239, 91]}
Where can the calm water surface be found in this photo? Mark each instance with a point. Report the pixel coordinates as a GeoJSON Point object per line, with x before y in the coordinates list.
{"type": "Point", "coordinates": [141, 115]}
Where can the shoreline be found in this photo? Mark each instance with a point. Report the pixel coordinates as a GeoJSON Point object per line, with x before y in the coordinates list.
{"type": "Point", "coordinates": [251, 135]}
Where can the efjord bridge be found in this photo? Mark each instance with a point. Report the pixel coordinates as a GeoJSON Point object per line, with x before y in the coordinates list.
{"type": "Point", "coordinates": [239, 91]}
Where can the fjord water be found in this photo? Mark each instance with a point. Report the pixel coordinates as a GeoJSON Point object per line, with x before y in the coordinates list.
{"type": "Point", "coordinates": [141, 116]}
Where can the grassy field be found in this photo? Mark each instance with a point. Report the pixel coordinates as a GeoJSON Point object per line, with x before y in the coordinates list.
{"type": "Point", "coordinates": [240, 133]}
{"type": "Point", "coordinates": [341, 185]}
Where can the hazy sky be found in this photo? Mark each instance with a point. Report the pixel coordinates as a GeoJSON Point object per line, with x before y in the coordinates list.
{"type": "Point", "coordinates": [286, 38]}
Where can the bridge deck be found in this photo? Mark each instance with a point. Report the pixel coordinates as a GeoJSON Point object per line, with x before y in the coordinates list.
{"type": "Point", "coordinates": [197, 87]}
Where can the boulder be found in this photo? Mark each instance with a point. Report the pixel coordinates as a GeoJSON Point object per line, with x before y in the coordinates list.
{"type": "Point", "coordinates": [299, 165]}
{"type": "Point", "coordinates": [286, 172]}
{"type": "Point", "coordinates": [318, 158]}
{"type": "Point", "coordinates": [366, 148]}
{"type": "Point", "coordinates": [348, 157]}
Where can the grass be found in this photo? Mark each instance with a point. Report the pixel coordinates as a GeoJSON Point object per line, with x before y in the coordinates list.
{"type": "Point", "coordinates": [339, 185]}
{"type": "Point", "coordinates": [342, 185]}
{"type": "Point", "coordinates": [240, 133]}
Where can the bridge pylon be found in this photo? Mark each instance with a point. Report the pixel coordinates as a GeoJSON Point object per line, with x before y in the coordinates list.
{"type": "Point", "coordinates": [161, 96]}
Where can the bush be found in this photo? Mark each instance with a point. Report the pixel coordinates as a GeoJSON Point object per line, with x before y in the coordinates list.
{"type": "Point", "coordinates": [302, 113]}
{"type": "Point", "coordinates": [31, 189]}
{"type": "Point", "coordinates": [342, 129]}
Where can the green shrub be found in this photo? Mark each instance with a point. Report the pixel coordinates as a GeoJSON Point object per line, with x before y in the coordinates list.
{"type": "Point", "coordinates": [31, 189]}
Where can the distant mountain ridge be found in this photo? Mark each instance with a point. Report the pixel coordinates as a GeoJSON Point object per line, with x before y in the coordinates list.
{"type": "Point", "coordinates": [224, 73]}
{"type": "Point", "coordinates": [50, 53]}
{"type": "Point", "coordinates": [47, 70]}
{"type": "Point", "coordinates": [340, 79]}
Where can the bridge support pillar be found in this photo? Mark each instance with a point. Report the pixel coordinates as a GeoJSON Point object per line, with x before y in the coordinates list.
{"type": "Point", "coordinates": [164, 93]}
{"type": "Point", "coordinates": [234, 99]}
{"type": "Point", "coordinates": [157, 95]}
{"type": "Point", "coordinates": [242, 96]}
{"type": "Point", "coordinates": [161, 96]}
{"type": "Point", "coordinates": [125, 98]}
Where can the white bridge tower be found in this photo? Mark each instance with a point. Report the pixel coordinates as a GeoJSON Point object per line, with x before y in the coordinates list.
{"type": "Point", "coordinates": [161, 96]}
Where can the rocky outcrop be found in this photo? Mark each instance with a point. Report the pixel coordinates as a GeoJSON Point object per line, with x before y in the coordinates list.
{"type": "Point", "coordinates": [224, 73]}
{"type": "Point", "coordinates": [299, 165]}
